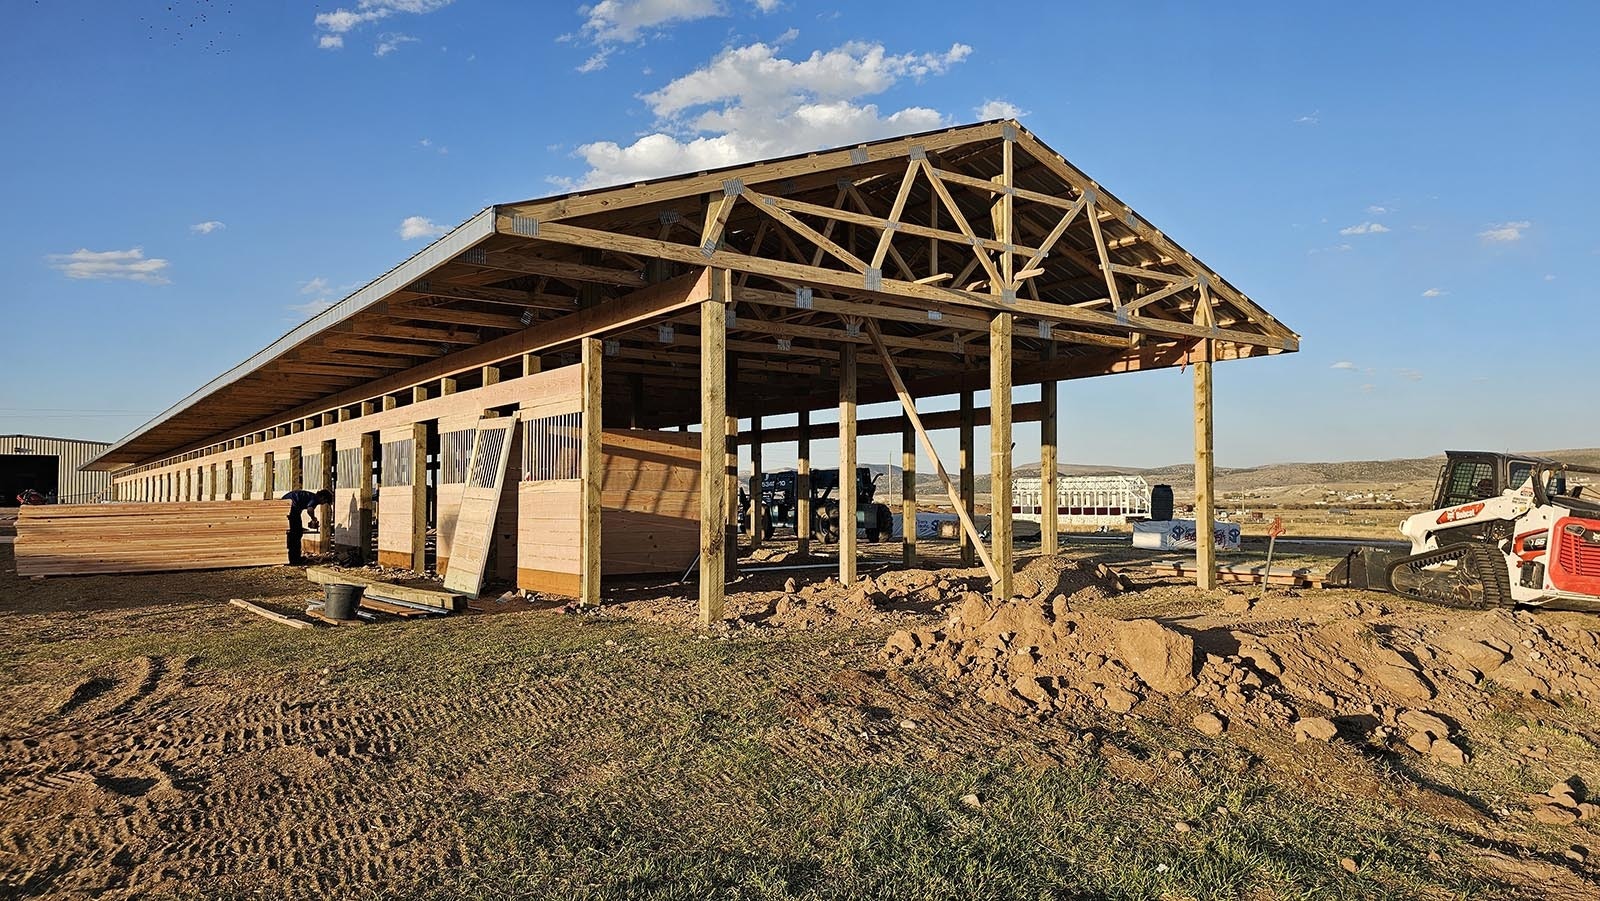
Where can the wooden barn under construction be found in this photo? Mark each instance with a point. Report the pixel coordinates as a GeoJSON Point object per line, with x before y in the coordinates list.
{"type": "Point", "coordinates": [557, 388]}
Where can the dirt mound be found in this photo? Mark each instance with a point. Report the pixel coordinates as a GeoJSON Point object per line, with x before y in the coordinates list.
{"type": "Point", "coordinates": [1402, 681]}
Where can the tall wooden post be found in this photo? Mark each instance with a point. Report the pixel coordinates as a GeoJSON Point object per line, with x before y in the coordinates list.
{"type": "Point", "coordinates": [364, 490]}
{"type": "Point", "coordinates": [908, 492]}
{"type": "Point", "coordinates": [330, 462]}
{"type": "Point", "coordinates": [1204, 471]}
{"type": "Point", "coordinates": [758, 510]}
{"type": "Point", "coordinates": [591, 474]}
{"type": "Point", "coordinates": [419, 496]}
{"type": "Point", "coordinates": [714, 446]}
{"type": "Point", "coordinates": [1000, 453]}
{"type": "Point", "coordinates": [1049, 465]}
{"type": "Point", "coordinates": [847, 464]}
{"type": "Point", "coordinates": [802, 484]}
{"type": "Point", "coordinates": [731, 431]}
{"type": "Point", "coordinates": [296, 470]}
{"type": "Point", "coordinates": [966, 477]}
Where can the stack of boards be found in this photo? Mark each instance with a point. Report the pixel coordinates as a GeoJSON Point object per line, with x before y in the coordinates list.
{"type": "Point", "coordinates": [83, 539]}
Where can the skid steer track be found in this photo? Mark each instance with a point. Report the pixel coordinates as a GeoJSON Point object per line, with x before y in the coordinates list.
{"type": "Point", "coordinates": [1470, 576]}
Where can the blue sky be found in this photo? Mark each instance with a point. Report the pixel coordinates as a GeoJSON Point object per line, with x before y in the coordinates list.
{"type": "Point", "coordinates": [1409, 186]}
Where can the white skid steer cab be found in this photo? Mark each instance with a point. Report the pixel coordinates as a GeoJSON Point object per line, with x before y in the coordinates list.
{"type": "Point", "coordinates": [1505, 530]}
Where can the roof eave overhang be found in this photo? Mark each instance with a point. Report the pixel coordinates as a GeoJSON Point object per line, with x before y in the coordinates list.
{"type": "Point", "coordinates": [447, 248]}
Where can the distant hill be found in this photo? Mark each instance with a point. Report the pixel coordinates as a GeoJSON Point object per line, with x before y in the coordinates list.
{"type": "Point", "coordinates": [1408, 474]}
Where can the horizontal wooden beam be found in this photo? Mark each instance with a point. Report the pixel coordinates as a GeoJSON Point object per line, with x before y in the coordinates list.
{"type": "Point", "coordinates": [1031, 411]}
{"type": "Point", "coordinates": [852, 281]}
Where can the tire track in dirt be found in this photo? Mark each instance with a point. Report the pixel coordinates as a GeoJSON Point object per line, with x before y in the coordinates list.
{"type": "Point", "coordinates": [174, 779]}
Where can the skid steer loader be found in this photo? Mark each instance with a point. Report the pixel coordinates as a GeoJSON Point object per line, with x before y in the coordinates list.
{"type": "Point", "coordinates": [1505, 530]}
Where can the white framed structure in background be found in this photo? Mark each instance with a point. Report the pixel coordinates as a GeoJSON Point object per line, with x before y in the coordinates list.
{"type": "Point", "coordinates": [1085, 500]}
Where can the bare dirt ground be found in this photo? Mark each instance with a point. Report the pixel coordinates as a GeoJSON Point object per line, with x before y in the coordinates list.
{"type": "Point", "coordinates": [901, 738]}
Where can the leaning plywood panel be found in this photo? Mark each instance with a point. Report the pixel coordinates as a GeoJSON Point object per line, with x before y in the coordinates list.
{"type": "Point", "coordinates": [480, 504]}
{"type": "Point", "coordinates": [127, 538]}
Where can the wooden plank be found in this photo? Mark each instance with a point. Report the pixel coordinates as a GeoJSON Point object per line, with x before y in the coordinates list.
{"type": "Point", "coordinates": [590, 472]}
{"type": "Point", "coordinates": [1000, 455]}
{"type": "Point", "coordinates": [1049, 465]}
{"type": "Point", "coordinates": [266, 614]}
{"type": "Point", "coordinates": [758, 509]}
{"type": "Point", "coordinates": [848, 502]}
{"type": "Point", "coordinates": [378, 588]}
{"type": "Point", "coordinates": [149, 537]}
{"type": "Point", "coordinates": [966, 462]}
{"type": "Point", "coordinates": [802, 480]}
{"type": "Point", "coordinates": [908, 490]}
{"type": "Point", "coordinates": [713, 447]}
{"type": "Point", "coordinates": [1204, 471]}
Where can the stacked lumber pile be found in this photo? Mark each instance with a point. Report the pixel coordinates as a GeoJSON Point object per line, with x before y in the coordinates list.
{"type": "Point", "coordinates": [83, 539]}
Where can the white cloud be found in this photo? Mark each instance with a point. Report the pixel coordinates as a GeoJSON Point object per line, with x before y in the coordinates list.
{"type": "Point", "coordinates": [1311, 118]}
{"type": "Point", "coordinates": [626, 20]}
{"type": "Point", "coordinates": [207, 227]}
{"type": "Point", "coordinates": [1368, 389]}
{"type": "Point", "coordinates": [317, 285]}
{"type": "Point", "coordinates": [311, 307]}
{"type": "Point", "coordinates": [1505, 231]}
{"type": "Point", "coordinates": [766, 6]}
{"type": "Point", "coordinates": [1549, 278]}
{"type": "Point", "coordinates": [999, 109]}
{"type": "Point", "coordinates": [1377, 210]}
{"type": "Point", "coordinates": [414, 227]}
{"type": "Point", "coordinates": [1337, 248]}
{"type": "Point", "coordinates": [596, 62]}
{"type": "Point", "coordinates": [126, 265]}
{"type": "Point", "coordinates": [1435, 292]}
{"type": "Point", "coordinates": [333, 26]}
{"type": "Point", "coordinates": [1410, 375]}
{"type": "Point", "coordinates": [748, 103]}
{"type": "Point", "coordinates": [1344, 364]}
{"type": "Point", "coordinates": [390, 41]}
{"type": "Point", "coordinates": [1365, 228]}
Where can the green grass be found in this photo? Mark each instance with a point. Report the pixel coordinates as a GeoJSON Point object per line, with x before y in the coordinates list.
{"type": "Point", "coordinates": [686, 777]}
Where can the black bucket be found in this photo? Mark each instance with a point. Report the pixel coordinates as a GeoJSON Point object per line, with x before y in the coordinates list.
{"type": "Point", "coordinates": [1161, 503]}
{"type": "Point", "coordinates": [342, 601]}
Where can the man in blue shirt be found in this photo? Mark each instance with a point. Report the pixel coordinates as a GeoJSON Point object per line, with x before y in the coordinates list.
{"type": "Point", "coordinates": [306, 502]}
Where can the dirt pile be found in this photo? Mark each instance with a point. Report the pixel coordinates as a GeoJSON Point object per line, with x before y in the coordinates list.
{"type": "Point", "coordinates": [1400, 680]}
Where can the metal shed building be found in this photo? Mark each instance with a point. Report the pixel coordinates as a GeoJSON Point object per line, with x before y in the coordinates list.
{"type": "Point", "coordinates": [51, 465]}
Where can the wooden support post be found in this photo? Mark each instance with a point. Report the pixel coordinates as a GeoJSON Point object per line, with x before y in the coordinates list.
{"type": "Point", "coordinates": [390, 401]}
{"type": "Point", "coordinates": [530, 364]}
{"type": "Point", "coordinates": [246, 484]}
{"type": "Point", "coordinates": [419, 393]}
{"type": "Point", "coordinates": [714, 447]}
{"type": "Point", "coordinates": [731, 432]}
{"type": "Point", "coordinates": [330, 461]}
{"type": "Point", "coordinates": [365, 521]}
{"type": "Point", "coordinates": [269, 475]}
{"type": "Point", "coordinates": [590, 458]}
{"type": "Point", "coordinates": [1204, 471]}
{"type": "Point", "coordinates": [802, 484]}
{"type": "Point", "coordinates": [758, 513]}
{"type": "Point", "coordinates": [490, 375]}
{"type": "Point", "coordinates": [1000, 453]}
{"type": "Point", "coordinates": [965, 474]}
{"type": "Point", "coordinates": [368, 408]}
{"type": "Point", "coordinates": [1049, 466]}
{"type": "Point", "coordinates": [847, 464]}
{"type": "Point", "coordinates": [419, 496]}
{"type": "Point", "coordinates": [908, 492]}
{"type": "Point", "coordinates": [447, 385]}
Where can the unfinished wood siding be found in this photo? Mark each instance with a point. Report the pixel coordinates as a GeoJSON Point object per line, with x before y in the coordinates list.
{"type": "Point", "coordinates": [650, 505]}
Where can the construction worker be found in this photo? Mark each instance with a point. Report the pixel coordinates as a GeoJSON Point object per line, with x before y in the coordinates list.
{"type": "Point", "coordinates": [307, 502]}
